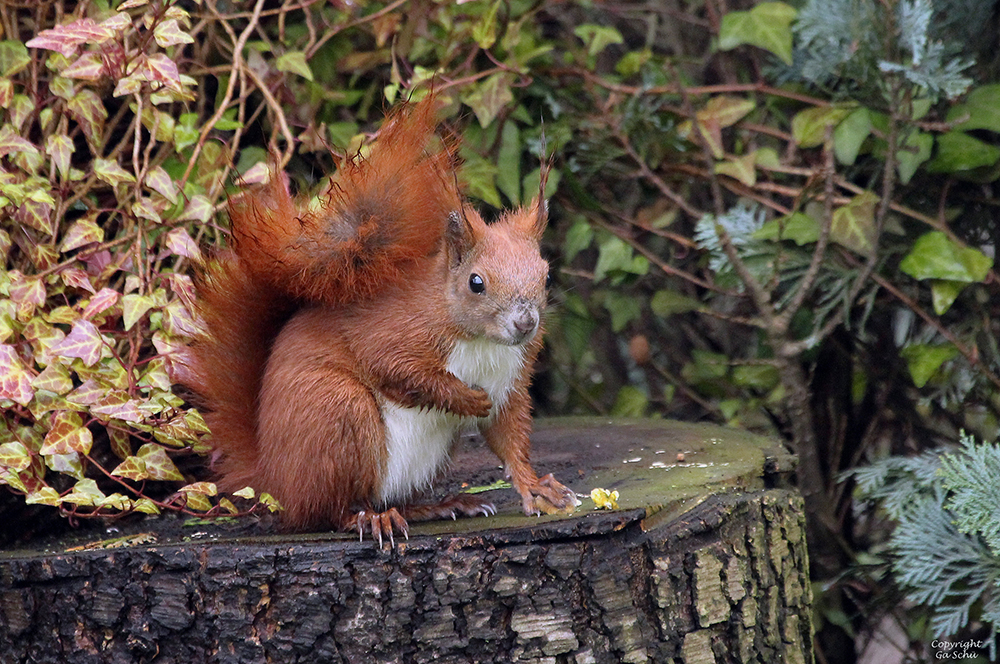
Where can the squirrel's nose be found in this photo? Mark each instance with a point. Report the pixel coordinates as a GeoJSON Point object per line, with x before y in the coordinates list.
{"type": "Point", "coordinates": [526, 321]}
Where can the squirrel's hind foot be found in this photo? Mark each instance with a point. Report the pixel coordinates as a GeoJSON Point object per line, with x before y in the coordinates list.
{"type": "Point", "coordinates": [546, 495]}
{"type": "Point", "coordinates": [452, 507]}
{"type": "Point", "coordinates": [379, 524]}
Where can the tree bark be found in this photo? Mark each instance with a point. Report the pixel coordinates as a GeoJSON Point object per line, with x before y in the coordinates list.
{"type": "Point", "coordinates": [715, 572]}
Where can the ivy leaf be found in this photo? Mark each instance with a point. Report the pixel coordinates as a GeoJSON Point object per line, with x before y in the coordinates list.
{"type": "Point", "coordinates": [54, 378]}
{"type": "Point", "coordinates": [944, 293]}
{"type": "Point", "coordinates": [616, 255]}
{"type": "Point", "coordinates": [915, 150]}
{"type": "Point", "coordinates": [88, 67]}
{"type": "Point", "coordinates": [850, 134]}
{"type": "Point", "coordinates": [623, 310]}
{"type": "Point", "coordinates": [45, 495]}
{"type": "Point", "coordinates": [936, 256]}
{"type": "Point", "coordinates": [199, 208]}
{"type": "Point", "coordinates": [102, 301]}
{"type": "Point", "coordinates": [84, 342]}
{"type": "Point", "coordinates": [923, 360]}
{"type": "Point", "coordinates": [668, 302]}
{"type": "Point", "coordinates": [489, 98]}
{"type": "Point", "coordinates": [853, 225]}
{"type": "Point", "coordinates": [111, 172]}
{"type": "Point", "coordinates": [597, 37]}
{"type": "Point", "coordinates": [767, 26]}
{"type": "Point", "coordinates": [10, 142]}
{"type": "Point", "coordinates": [84, 493]}
{"type": "Point", "coordinates": [67, 434]}
{"type": "Point", "coordinates": [169, 33]}
{"type": "Point", "coordinates": [981, 110]}
{"type": "Point", "coordinates": [134, 307]}
{"type": "Point", "coordinates": [15, 457]}
{"type": "Point", "coordinates": [957, 151]}
{"type": "Point", "coordinates": [741, 168]}
{"type": "Point", "coordinates": [84, 231]}
{"type": "Point", "coordinates": [14, 57]}
{"type": "Point", "coordinates": [60, 148]}
{"type": "Point", "coordinates": [798, 227]}
{"type": "Point", "coordinates": [160, 181]}
{"type": "Point", "coordinates": [158, 464]}
{"type": "Point", "coordinates": [809, 126]}
{"type": "Point", "coordinates": [15, 380]}
{"type": "Point", "coordinates": [180, 243]}
{"type": "Point", "coordinates": [485, 29]}
{"type": "Point", "coordinates": [90, 113]}
{"type": "Point", "coordinates": [509, 163]}
{"type": "Point", "coordinates": [65, 38]}
{"type": "Point", "coordinates": [132, 468]}
{"type": "Point", "coordinates": [143, 208]}
{"type": "Point", "coordinates": [294, 62]}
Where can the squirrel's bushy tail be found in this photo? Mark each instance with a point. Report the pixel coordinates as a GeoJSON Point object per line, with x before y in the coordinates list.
{"type": "Point", "coordinates": [383, 215]}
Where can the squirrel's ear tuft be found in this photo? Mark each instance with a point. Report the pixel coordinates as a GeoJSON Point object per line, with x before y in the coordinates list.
{"type": "Point", "coordinates": [465, 230]}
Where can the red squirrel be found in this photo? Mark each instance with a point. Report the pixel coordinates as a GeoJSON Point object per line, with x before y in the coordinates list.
{"type": "Point", "coordinates": [347, 346]}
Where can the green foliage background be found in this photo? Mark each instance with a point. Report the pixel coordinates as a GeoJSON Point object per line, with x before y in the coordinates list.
{"type": "Point", "coordinates": [778, 217]}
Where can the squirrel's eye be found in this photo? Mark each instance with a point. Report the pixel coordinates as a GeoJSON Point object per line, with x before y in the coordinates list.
{"type": "Point", "coordinates": [548, 279]}
{"type": "Point", "coordinates": [476, 283]}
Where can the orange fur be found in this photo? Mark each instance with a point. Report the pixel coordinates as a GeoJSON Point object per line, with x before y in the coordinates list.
{"type": "Point", "coordinates": [332, 333]}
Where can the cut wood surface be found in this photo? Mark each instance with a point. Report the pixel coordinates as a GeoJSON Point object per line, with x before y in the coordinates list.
{"type": "Point", "coordinates": [704, 561]}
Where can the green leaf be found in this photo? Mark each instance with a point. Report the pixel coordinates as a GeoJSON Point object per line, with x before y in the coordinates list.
{"type": "Point", "coordinates": [578, 237]}
{"type": "Point", "coordinates": [490, 97]}
{"type": "Point", "coordinates": [981, 110]}
{"type": "Point", "coordinates": [853, 225]}
{"type": "Point", "coordinates": [851, 134]}
{"type": "Point", "coordinates": [597, 37]}
{"type": "Point", "coordinates": [756, 376]}
{"type": "Point", "coordinates": [14, 57]}
{"type": "Point", "coordinates": [480, 177]}
{"type": "Point", "coordinates": [294, 62]}
{"type": "Point", "coordinates": [923, 360]}
{"type": "Point", "coordinates": [797, 227]}
{"type": "Point", "coordinates": [913, 151]}
{"type": "Point", "coordinates": [630, 402]}
{"type": "Point", "coordinates": [485, 30]}
{"type": "Point", "coordinates": [957, 151]}
{"type": "Point", "coordinates": [767, 26]}
{"type": "Point", "coordinates": [509, 163]}
{"type": "Point", "coordinates": [936, 256]}
{"type": "Point", "coordinates": [623, 309]}
{"type": "Point", "coordinates": [616, 255]}
{"type": "Point", "coordinates": [809, 126]}
{"type": "Point", "coordinates": [944, 293]}
{"type": "Point", "coordinates": [667, 302]}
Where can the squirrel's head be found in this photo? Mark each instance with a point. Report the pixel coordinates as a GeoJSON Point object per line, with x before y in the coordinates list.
{"type": "Point", "coordinates": [497, 277]}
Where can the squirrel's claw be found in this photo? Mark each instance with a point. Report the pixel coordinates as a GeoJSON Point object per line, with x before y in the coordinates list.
{"type": "Point", "coordinates": [380, 525]}
{"type": "Point", "coordinates": [546, 495]}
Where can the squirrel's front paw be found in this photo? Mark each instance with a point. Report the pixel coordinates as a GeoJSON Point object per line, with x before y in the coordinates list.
{"type": "Point", "coordinates": [474, 402]}
{"type": "Point", "coordinates": [548, 496]}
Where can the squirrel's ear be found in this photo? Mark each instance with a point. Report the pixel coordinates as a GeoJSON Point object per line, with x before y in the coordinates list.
{"type": "Point", "coordinates": [463, 234]}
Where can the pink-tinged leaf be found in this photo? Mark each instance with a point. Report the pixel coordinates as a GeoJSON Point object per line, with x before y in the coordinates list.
{"type": "Point", "coordinates": [199, 208]}
{"type": "Point", "coordinates": [132, 468]}
{"type": "Point", "coordinates": [11, 142]}
{"type": "Point", "coordinates": [54, 378]}
{"type": "Point", "coordinates": [84, 342]}
{"type": "Point", "coordinates": [26, 290]}
{"type": "Point", "coordinates": [15, 379]}
{"type": "Point", "coordinates": [60, 148]}
{"type": "Point", "coordinates": [158, 464]}
{"type": "Point", "coordinates": [89, 67]}
{"type": "Point", "coordinates": [134, 307]}
{"type": "Point", "coordinates": [181, 244]}
{"type": "Point", "coordinates": [132, 4]}
{"type": "Point", "coordinates": [169, 33]}
{"type": "Point", "coordinates": [67, 435]}
{"type": "Point", "coordinates": [102, 301]}
{"type": "Point", "coordinates": [160, 181]}
{"type": "Point", "coordinates": [83, 232]}
{"type": "Point", "coordinates": [177, 320]}
{"type": "Point", "coordinates": [65, 38]}
{"type": "Point", "coordinates": [117, 23]}
{"type": "Point", "coordinates": [164, 70]}
{"type": "Point", "coordinates": [99, 263]}
{"type": "Point", "coordinates": [131, 84]}
{"type": "Point", "coordinates": [14, 456]}
{"type": "Point", "coordinates": [117, 405]}
{"type": "Point", "coordinates": [88, 393]}
{"type": "Point", "coordinates": [77, 278]}
{"type": "Point", "coordinates": [144, 209]}
{"type": "Point", "coordinates": [37, 214]}
{"type": "Point", "coordinates": [87, 109]}
{"type": "Point", "coordinates": [111, 172]}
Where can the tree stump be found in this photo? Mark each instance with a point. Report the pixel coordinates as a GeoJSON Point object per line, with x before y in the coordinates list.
{"type": "Point", "coordinates": [705, 561]}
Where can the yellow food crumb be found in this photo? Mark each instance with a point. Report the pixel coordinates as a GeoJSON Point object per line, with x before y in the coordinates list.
{"type": "Point", "coordinates": [604, 499]}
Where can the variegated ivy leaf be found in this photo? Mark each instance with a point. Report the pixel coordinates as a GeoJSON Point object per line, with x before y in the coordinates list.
{"type": "Point", "coordinates": [14, 456]}
{"type": "Point", "coordinates": [132, 468]}
{"type": "Point", "coordinates": [83, 232]}
{"type": "Point", "coordinates": [12, 143]}
{"type": "Point", "coordinates": [154, 375]}
{"type": "Point", "coordinates": [67, 435]}
{"type": "Point", "coordinates": [169, 33]}
{"type": "Point", "coordinates": [144, 209]}
{"type": "Point", "coordinates": [46, 495]}
{"type": "Point", "coordinates": [88, 67]}
{"type": "Point", "coordinates": [54, 378]}
{"type": "Point", "coordinates": [160, 181]}
{"type": "Point", "coordinates": [177, 320]}
{"type": "Point", "coordinates": [158, 464]}
{"type": "Point", "coordinates": [60, 148]}
{"type": "Point", "coordinates": [77, 278]}
{"type": "Point", "coordinates": [84, 341]}
{"type": "Point", "coordinates": [26, 290]}
{"type": "Point", "coordinates": [119, 406]}
{"type": "Point", "coordinates": [69, 464]}
{"type": "Point", "coordinates": [89, 392]}
{"type": "Point", "coordinates": [66, 38]}
{"type": "Point", "coordinates": [180, 243]}
{"type": "Point", "coordinates": [103, 300]}
{"type": "Point", "coordinates": [90, 113]}
{"type": "Point", "coordinates": [134, 307]}
{"type": "Point", "coordinates": [111, 172]}
{"type": "Point", "coordinates": [15, 379]}
{"type": "Point", "coordinates": [85, 493]}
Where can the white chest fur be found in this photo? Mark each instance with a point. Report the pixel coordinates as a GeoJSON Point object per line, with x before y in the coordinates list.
{"type": "Point", "coordinates": [418, 440]}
